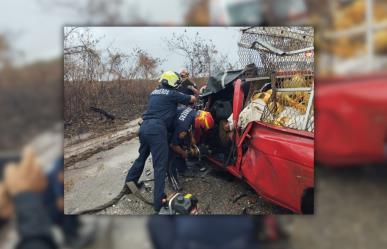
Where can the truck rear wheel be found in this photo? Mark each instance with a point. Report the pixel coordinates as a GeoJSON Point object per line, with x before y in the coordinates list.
{"type": "Point", "coordinates": [307, 203]}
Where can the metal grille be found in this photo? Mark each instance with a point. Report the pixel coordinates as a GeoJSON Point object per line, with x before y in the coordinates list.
{"type": "Point", "coordinates": [286, 56]}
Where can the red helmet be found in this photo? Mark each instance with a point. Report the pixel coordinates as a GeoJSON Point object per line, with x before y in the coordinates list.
{"type": "Point", "coordinates": [204, 120]}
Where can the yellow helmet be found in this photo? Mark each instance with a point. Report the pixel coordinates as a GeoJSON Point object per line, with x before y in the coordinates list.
{"type": "Point", "coordinates": [170, 78]}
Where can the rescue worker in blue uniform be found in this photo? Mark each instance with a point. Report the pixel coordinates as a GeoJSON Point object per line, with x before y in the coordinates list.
{"type": "Point", "coordinates": [186, 121]}
{"type": "Point", "coordinates": [157, 120]}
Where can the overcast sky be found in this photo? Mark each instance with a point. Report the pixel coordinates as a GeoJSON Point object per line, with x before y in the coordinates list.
{"type": "Point", "coordinates": [36, 29]}
{"type": "Point", "coordinates": [151, 39]}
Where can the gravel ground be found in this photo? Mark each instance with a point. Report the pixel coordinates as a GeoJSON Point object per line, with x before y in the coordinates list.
{"type": "Point", "coordinates": [228, 195]}
{"type": "Point", "coordinates": [98, 179]}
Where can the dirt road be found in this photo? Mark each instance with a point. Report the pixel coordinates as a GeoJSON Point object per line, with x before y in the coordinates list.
{"type": "Point", "coordinates": [96, 180]}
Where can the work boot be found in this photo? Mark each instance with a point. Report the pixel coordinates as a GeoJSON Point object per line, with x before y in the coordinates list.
{"type": "Point", "coordinates": [133, 187]}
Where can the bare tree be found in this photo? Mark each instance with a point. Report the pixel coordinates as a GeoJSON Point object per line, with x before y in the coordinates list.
{"type": "Point", "coordinates": [83, 71]}
{"type": "Point", "coordinates": [201, 55]}
{"type": "Point", "coordinates": [222, 63]}
{"type": "Point", "coordinates": [197, 52]}
{"type": "Point", "coordinates": [146, 65]}
{"type": "Point", "coordinates": [117, 62]}
{"type": "Point", "coordinates": [82, 60]}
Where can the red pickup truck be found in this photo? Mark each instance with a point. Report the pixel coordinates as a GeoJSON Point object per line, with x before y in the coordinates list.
{"type": "Point", "coordinates": [277, 162]}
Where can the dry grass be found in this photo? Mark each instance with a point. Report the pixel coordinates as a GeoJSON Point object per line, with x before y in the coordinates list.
{"type": "Point", "coordinates": [123, 99]}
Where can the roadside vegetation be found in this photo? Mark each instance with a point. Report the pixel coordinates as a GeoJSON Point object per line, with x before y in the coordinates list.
{"type": "Point", "coordinates": [106, 87]}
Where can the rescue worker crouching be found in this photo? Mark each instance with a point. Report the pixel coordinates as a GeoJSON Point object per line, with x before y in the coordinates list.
{"type": "Point", "coordinates": [157, 120]}
{"type": "Point", "coordinates": [187, 121]}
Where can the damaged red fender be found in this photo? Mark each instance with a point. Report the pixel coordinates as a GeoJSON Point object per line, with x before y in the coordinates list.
{"type": "Point", "coordinates": [279, 164]}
